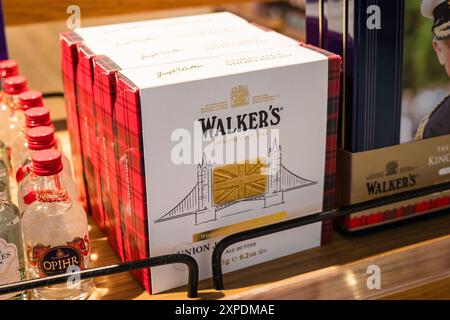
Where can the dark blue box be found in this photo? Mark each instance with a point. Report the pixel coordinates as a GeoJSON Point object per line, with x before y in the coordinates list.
{"type": "Point", "coordinates": [3, 48]}
{"type": "Point", "coordinates": [368, 34]}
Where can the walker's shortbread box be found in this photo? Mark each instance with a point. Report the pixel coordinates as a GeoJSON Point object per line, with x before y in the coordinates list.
{"type": "Point", "coordinates": [142, 46]}
{"type": "Point", "coordinates": [167, 40]}
{"type": "Point", "coordinates": [77, 64]}
{"type": "Point", "coordinates": [104, 87]}
{"type": "Point", "coordinates": [213, 146]}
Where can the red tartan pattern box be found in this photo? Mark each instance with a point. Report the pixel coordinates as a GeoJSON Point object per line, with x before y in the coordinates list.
{"type": "Point", "coordinates": [69, 58]}
{"type": "Point", "coordinates": [78, 50]}
{"type": "Point", "coordinates": [179, 195]}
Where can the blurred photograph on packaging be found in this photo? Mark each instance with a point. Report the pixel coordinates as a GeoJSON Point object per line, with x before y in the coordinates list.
{"type": "Point", "coordinates": [426, 70]}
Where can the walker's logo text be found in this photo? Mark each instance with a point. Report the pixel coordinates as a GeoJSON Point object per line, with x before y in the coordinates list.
{"type": "Point", "coordinates": [379, 187]}
{"type": "Point", "coordinates": [240, 96]}
{"type": "Point", "coordinates": [242, 122]}
{"type": "Point", "coordinates": [58, 259]}
{"type": "Point", "coordinates": [400, 178]}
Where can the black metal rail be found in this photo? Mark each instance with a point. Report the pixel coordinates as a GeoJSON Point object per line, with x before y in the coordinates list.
{"type": "Point", "coordinates": [112, 269]}
{"type": "Point", "coordinates": [53, 94]}
{"type": "Point", "coordinates": [303, 221]}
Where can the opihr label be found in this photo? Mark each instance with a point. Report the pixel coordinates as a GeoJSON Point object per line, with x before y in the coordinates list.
{"type": "Point", "coordinates": [56, 260]}
{"type": "Point", "coordinates": [9, 264]}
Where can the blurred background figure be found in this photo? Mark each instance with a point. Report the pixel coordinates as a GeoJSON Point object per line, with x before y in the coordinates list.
{"type": "Point", "coordinates": [437, 122]}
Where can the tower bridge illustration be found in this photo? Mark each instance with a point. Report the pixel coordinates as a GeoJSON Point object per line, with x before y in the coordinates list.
{"type": "Point", "coordinates": [222, 187]}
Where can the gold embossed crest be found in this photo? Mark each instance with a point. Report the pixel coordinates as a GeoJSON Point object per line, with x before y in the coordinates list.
{"type": "Point", "coordinates": [234, 182]}
{"type": "Point", "coordinates": [392, 168]}
{"type": "Point", "coordinates": [240, 96]}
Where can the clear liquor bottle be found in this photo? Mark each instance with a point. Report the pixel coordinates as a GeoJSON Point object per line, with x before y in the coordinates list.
{"type": "Point", "coordinates": [12, 265]}
{"type": "Point", "coordinates": [35, 116]}
{"type": "Point", "coordinates": [8, 68]}
{"type": "Point", "coordinates": [55, 231]}
{"type": "Point", "coordinates": [12, 117]}
{"type": "Point", "coordinates": [38, 139]}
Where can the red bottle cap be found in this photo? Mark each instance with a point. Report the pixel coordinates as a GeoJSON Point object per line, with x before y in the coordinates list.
{"type": "Point", "coordinates": [41, 138]}
{"type": "Point", "coordinates": [47, 162]}
{"type": "Point", "coordinates": [15, 85]}
{"type": "Point", "coordinates": [37, 117]}
{"type": "Point", "coordinates": [8, 68]}
{"type": "Point", "coordinates": [30, 99]}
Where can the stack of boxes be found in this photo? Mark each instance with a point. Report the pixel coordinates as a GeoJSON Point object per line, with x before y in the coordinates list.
{"type": "Point", "coordinates": [156, 108]}
{"type": "Point", "coordinates": [380, 101]}
{"type": "Point", "coordinates": [79, 48]}
{"type": "Point", "coordinates": [135, 92]}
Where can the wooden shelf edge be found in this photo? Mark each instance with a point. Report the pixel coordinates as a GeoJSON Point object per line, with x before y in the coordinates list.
{"type": "Point", "coordinates": [28, 11]}
{"type": "Point", "coordinates": [402, 269]}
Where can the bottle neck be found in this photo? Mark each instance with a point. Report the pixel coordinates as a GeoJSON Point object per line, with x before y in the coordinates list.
{"type": "Point", "coordinates": [33, 151]}
{"type": "Point", "coordinates": [51, 189]}
{"type": "Point", "coordinates": [4, 193]}
{"type": "Point", "coordinates": [49, 182]}
{"type": "Point", "coordinates": [13, 102]}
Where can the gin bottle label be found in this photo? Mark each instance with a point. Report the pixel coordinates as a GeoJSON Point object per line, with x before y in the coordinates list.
{"type": "Point", "coordinates": [9, 265]}
{"type": "Point", "coordinates": [58, 259]}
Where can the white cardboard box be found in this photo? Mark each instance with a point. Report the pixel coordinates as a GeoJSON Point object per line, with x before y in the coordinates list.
{"type": "Point", "coordinates": [282, 93]}
{"type": "Point", "coordinates": [168, 50]}
{"type": "Point", "coordinates": [159, 27]}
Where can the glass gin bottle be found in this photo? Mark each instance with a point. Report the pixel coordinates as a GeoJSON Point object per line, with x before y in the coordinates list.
{"type": "Point", "coordinates": [38, 139]}
{"type": "Point", "coordinates": [8, 68]}
{"type": "Point", "coordinates": [42, 138]}
{"type": "Point", "coordinates": [55, 231]}
{"type": "Point", "coordinates": [12, 119]}
{"type": "Point", "coordinates": [34, 117]}
{"type": "Point", "coordinates": [12, 264]}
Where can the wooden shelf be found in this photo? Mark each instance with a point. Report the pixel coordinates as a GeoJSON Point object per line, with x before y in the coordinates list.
{"type": "Point", "coordinates": [413, 256]}
{"type": "Point", "coordinates": [27, 11]}
{"type": "Point", "coordinates": [407, 268]}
